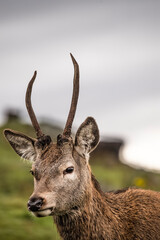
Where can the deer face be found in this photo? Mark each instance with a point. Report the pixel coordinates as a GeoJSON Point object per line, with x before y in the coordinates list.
{"type": "Point", "coordinates": [60, 170]}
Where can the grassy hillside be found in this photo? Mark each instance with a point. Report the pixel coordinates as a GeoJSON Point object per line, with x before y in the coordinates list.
{"type": "Point", "coordinates": [16, 185]}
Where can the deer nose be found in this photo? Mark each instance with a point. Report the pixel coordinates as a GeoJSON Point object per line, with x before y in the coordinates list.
{"type": "Point", "coordinates": [34, 204]}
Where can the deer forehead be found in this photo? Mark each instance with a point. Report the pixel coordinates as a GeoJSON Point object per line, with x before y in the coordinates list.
{"type": "Point", "coordinates": [55, 158]}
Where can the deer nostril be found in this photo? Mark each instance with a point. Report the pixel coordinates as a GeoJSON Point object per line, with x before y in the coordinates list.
{"type": "Point", "coordinates": [34, 204]}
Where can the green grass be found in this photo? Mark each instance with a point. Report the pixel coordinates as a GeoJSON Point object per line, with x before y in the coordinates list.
{"type": "Point", "coordinates": [122, 176]}
{"type": "Point", "coordinates": [17, 223]}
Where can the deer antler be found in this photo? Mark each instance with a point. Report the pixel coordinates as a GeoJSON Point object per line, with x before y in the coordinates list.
{"type": "Point", "coordinates": [68, 126]}
{"type": "Point", "coordinates": [30, 109]}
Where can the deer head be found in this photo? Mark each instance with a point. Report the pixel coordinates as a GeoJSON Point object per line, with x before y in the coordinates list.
{"type": "Point", "coordinates": [61, 171]}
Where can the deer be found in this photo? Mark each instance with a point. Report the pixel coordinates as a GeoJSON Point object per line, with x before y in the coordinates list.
{"type": "Point", "coordinates": [66, 189]}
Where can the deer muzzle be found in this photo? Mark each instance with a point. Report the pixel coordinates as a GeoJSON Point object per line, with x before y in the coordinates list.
{"type": "Point", "coordinates": [35, 206]}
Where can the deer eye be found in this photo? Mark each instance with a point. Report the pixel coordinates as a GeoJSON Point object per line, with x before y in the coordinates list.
{"type": "Point", "coordinates": [31, 171]}
{"type": "Point", "coordinates": [68, 170]}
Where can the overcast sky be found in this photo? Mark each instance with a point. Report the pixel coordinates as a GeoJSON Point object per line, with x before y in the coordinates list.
{"type": "Point", "coordinates": [117, 46]}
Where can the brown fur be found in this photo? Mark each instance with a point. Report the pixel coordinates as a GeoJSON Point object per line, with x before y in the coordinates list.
{"type": "Point", "coordinates": [133, 214]}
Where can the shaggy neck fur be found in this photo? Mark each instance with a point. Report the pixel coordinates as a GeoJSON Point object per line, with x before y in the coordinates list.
{"type": "Point", "coordinates": [87, 222]}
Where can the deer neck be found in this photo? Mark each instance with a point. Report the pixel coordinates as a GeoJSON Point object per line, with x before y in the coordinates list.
{"type": "Point", "coordinates": [86, 222]}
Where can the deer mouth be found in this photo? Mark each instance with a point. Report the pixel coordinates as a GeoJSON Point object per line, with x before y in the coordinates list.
{"type": "Point", "coordinates": [44, 212]}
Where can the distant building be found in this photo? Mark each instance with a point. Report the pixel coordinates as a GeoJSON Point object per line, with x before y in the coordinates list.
{"type": "Point", "coordinates": [12, 115]}
{"type": "Point", "coordinates": [108, 151]}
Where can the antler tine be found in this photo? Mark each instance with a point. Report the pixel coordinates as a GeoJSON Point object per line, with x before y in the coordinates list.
{"type": "Point", "coordinates": [30, 109]}
{"type": "Point", "coordinates": [68, 126]}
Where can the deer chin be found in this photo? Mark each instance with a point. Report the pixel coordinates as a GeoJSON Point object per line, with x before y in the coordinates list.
{"type": "Point", "coordinates": [43, 213]}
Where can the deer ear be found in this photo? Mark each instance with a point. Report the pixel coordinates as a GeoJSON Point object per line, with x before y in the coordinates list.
{"type": "Point", "coordinates": [87, 137]}
{"type": "Point", "coordinates": [22, 144]}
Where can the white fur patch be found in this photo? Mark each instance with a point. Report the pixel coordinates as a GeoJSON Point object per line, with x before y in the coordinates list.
{"type": "Point", "coordinates": [43, 213]}
{"type": "Point", "coordinates": [28, 154]}
{"type": "Point", "coordinates": [22, 146]}
{"type": "Point", "coordinates": [84, 140]}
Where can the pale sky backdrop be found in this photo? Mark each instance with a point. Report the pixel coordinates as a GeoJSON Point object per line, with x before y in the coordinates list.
{"type": "Point", "coordinates": [117, 46]}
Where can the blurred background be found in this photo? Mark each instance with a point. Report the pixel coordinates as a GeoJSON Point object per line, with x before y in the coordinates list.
{"type": "Point", "coordinates": [116, 44]}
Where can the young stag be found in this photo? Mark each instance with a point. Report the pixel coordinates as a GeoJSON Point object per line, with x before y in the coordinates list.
{"type": "Point", "coordinates": [65, 188]}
